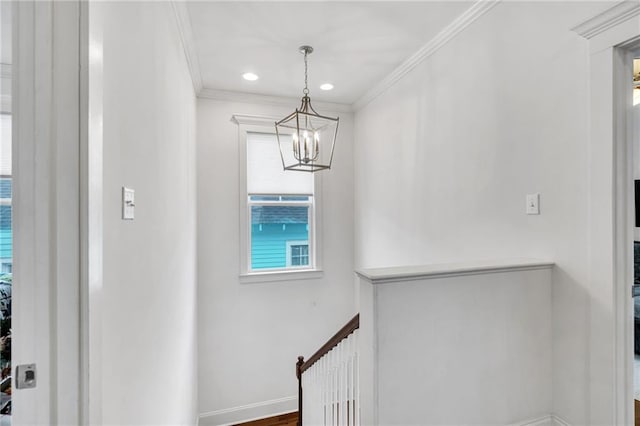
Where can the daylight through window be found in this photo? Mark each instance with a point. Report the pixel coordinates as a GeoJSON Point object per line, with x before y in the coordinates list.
{"type": "Point", "coordinates": [281, 206]}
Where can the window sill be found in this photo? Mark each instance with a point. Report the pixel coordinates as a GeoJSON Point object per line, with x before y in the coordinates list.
{"type": "Point", "coordinates": [263, 277]}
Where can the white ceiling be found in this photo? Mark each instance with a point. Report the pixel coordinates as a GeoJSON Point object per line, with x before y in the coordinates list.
{"type": "Point", "coordinates": [356, 44]}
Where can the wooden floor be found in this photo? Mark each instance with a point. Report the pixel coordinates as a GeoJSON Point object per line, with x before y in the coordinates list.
{"type": "Point", "coordinates": [637, 409]}
{"type": "Point", "coordinates": [289, 419]}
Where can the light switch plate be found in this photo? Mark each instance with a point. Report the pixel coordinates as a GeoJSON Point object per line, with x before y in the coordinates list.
{"type": "Point", "coordinates": [128, 203]}
{"type": "Point", "coordinates": [533, 203]}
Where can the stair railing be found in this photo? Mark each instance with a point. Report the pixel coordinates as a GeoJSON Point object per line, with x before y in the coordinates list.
{"type": "Point", "coordinates": [330, 381]}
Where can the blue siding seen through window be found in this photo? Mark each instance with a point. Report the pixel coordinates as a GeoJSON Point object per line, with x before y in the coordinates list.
{"type": "Point", "coordinates": [5, 187]}
{"type": "Point", "coordinates": [6, 236]}
{"type": "Point", "coordinates": [271, 228]}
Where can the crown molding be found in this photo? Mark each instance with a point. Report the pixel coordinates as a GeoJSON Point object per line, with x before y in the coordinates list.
{"type": "Point", "coordinates": [478, 9]}
{"type": "Point", "coordinates": [186, 37]}
{"type": "Point", "coordinates": [5, 70]}
{"type": "Point", "coordinates": [607, 19]}
{"type": "Point", "coordinates": [188, 45]}
{"type": "Point", "coordinates": [253, 98]}
{"type": "Point", "coordinates": [254, 120]}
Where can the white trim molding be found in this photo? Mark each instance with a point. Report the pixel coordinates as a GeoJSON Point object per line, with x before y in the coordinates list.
{"type": "Point", "coordinates": [264, 124]}
{"type": "Point", "coordinates": [477, 10]}
{"type": "Point", "coordinates": [249, 412]}
{"type": "Point", "coordinates": [254, 120]}
{"type": "Point", "coordinates": [559, 421]}
{"type": "Point", "coordinates": [539, 421]}
{"type": "Point", "coordinates": [265, 277]}
{"type": "Point", "coordinates": [254, 98]}
{"type": "Point", "coordinates": [608, 19]}
{"type": "Point", "coordinates": [412, 273]}
{"type": "Point", "coordinates": [186, 37]}
{"type": "Point", "coordinates": [612, 36]}
{"type": "Point", "coordinates": [46, 121]}
{"type": "Point", "coordinates": [550, 420]}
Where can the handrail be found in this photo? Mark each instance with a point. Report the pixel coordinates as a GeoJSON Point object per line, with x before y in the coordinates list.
{"type": "Point", "coordinates": [342, 334]}
{"type": "Point", "coordinates": [302, 365]}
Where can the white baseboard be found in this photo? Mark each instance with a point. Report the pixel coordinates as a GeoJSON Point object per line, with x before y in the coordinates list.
{"type": "Point", "coordinates": [559, 421]}
{"type": "Point", "coordinates": [550, 420]}
{"type": "Point", "coordinates": [540, 421]}
{"type": "Point", "coordinates": [275, 407]}
{"type": "Point", "coordinates": [249, 412]}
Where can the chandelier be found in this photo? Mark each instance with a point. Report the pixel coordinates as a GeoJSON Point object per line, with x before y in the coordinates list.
{"type": "Point", "coordinates": [306, 139]}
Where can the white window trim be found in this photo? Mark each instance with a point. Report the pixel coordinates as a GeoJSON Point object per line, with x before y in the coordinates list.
{"type": "Point", "coordinates": [263, 124]}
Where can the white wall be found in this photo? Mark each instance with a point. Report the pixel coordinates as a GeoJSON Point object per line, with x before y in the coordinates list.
{"type": "Point", "coordinates": [447, 155]}
{"type": "Point", "coordinates": [456, 348]}
{"type": "Point", "coordinates": [251, 333]}
{"type": "Point", "coordinates": [149, 364]}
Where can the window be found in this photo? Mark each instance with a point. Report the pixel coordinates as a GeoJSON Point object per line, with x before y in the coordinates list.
{"type": "Point", "coordinates": [280, 210]}
{"type": "Point", "coordinates": [297, 253]}
{"type": "Point", "coordinates": [6, 234]}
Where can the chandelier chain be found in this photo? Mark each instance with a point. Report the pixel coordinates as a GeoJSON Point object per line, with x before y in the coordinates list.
{"type": "Point", "coordinates": [306, 89]}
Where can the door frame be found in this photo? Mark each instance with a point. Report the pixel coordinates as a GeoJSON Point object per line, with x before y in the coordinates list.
{"type": "Point", "coordinates": [50, 184]}
{"type": "Point", "coordinates": [612, 36]}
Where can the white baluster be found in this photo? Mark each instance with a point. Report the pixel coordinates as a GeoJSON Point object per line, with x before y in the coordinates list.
{"type": "Point", "coordinates": [352, 393]}
{"type": "Point", "coordinates": [331, 386]}
{"type": "Point", "coordinates": [327, 378]}
{"type": "Point", "coordinates": [344, 376]}
{"type": "Point", "coordinates": [325, 390]}
{"type": "Point", "coordinates": [344, 353]}
{"type": "Point", "coordinates": [339, 383]}
{"type": "Point", "coordinates": [334, 389]}
{"type": "Point", "coordinates": [357, 378]}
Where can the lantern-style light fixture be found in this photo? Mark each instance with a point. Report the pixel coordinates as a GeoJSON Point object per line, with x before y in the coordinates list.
{"type": "Point", "coordinates": [306, 139]}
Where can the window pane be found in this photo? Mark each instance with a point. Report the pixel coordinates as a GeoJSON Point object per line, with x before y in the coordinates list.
{"type": "Point", "coordinates": [5, 188]}
{"type": "Point", "coordinates": [5, 140]}
{"type": "Point", "coordinates": [271, 228]}
{"type": "Point", "coordinates": [300, 255]}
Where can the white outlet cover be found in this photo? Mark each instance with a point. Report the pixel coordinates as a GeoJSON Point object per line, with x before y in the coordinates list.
{"type": "Point", "coordinates": [533, 204]}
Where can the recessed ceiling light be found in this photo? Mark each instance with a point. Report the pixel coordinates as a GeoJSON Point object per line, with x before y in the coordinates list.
{"type": "Point", "coordinates": [326, 86]}
{"type": "Point", "coordinates": [249, 76]}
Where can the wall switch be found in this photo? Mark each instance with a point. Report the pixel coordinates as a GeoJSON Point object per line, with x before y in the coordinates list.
{"type": "Point", "coordinates": [128, 203]}
{"type": "Point", "coordinates": [533, 203]}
